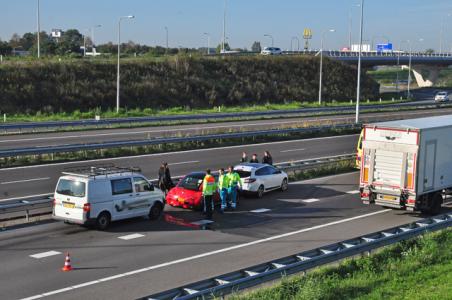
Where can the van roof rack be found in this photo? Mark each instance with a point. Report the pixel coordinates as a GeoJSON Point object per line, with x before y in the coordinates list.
{"type": "Point", "coordinates": [98, 170]}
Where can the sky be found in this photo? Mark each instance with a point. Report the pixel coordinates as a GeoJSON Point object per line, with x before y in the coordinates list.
{"type": "Point", "coordinates": [247, 21]}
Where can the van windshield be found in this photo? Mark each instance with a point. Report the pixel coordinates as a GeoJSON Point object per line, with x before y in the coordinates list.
{"type": "Point", "coordinates": [71, 188]}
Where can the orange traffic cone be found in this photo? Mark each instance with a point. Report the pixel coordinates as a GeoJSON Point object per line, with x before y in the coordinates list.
{"type": "Point", "coordinates": [67, 264]}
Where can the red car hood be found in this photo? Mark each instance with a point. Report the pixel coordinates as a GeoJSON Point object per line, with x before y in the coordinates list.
{"type": "Point", "coordinates": [183, 193]}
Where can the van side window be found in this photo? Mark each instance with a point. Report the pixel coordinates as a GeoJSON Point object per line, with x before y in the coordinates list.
{"type": "Point", "coordinates": [121, 186]}
{"type": "Point", "coordinates": [141, 185]}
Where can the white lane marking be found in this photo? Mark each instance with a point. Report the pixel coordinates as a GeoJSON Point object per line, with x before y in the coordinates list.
{"type": "Point", "coordinates": [178, 152]}
{"type": "Point", "coordinates": [292, 150]}
{"type": "Point", "coordinates": [45, 254]}
{"type": "Point", "coordinates": [260, 210]}
{"type": "Point", "coordinates": [311, 200]}
{"type": "Point", "coordinates": [206, 254]}
{"type": "Point", "coordinates": [185, 162]}
{"type": "Point", "coordinates": [131, 236]}
{"type": "Point", "coordinates": [202, 222]}
{"type": "Point", "coordinates": [353, 192]}
{"type": "Point", "coordinates": [26, 180]}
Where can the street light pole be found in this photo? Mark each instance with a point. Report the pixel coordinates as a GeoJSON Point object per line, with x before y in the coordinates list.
{"type": "Point", "coordinates": [118, 81]}
{"type": "Point", "coordinates": [409, 70]}
{"type": "Point", "coordinates": [321, 64]}
{"type": "Point", "coordinates": [358, 84]}
{"type": "Point", "coordinates": [167, 47]}
{"type": "Point", "coordinates": [39, 30]}
{"type": "Point", "coordinates": [92, 35]}
{"type": "Point", "coordinates": [441, 35]}
{"type": "Point", "coordinates": [270, 36]}
{"type": "Point", "coordinates": [208, 42]}
{"type": "Point", "coordinates": [224, 28]}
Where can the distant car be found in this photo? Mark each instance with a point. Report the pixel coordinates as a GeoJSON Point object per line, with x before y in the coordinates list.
{"type": "Point", "coordinates": [442, 96]}
{"type": "Point", "coordinates": [271, 51]}
{"type": "Point", "coordinates": [188, 192]}
{"type": "Point", "coordinates": [261, 178]}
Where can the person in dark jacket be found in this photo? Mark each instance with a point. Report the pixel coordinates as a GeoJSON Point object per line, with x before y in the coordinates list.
{"type": "Point", "coordinates": [244, 157]}
{"type": "Point", "coordinates": [267, 158]}
{"type": "Point", "coordinates": [254, 159]}
{"type": "Point", "coordinates": [165, 182]}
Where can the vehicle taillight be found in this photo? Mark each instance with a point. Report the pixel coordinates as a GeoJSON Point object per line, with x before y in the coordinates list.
{"type": "Point", "coordinates": [250, 180]}
{"type": "Point", "coordinates": [409, 183]}
{"type": "Point", "coordinates": [366, 164]}
{"type": "Point", "coordinates": [86, 207]}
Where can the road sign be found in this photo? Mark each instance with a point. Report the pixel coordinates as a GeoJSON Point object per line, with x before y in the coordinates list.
{"type": "Point", "coordinates": [384, 47]}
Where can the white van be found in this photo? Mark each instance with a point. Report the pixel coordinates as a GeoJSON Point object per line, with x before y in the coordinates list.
{"type": "Point", "coordinates": [97, 196]}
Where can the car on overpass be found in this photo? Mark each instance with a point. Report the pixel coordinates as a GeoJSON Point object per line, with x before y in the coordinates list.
{"type": "Point", "coordinates": [442, 96]}
{"type": "Point", "coordinates": [259, 178]}
{"type": "Point", "coordinates": [188, 192]}
{"type": "Point", "coordinates": [271, 51]}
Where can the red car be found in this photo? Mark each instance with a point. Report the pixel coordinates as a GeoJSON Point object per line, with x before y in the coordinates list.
{"type": "Point", "coordinates": [188, 192]}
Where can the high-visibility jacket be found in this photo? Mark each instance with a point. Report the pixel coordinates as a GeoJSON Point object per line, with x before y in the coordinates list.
{"type": "Point", "coordinates": [234, 179]}
{"type": "Point", "coordinates": [223, 182]}
{"type": "Point", "coordinates": [208, 185]}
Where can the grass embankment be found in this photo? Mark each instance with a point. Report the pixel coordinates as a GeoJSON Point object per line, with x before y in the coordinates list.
{"type": "Point", "coordinates": [388, 76]}
{"type": "Point", "coordinates": [149, 112]}
{"type": "Point", "coordinates": [179, 82]}
{"type": "Point", "coordinates": [420, 268]}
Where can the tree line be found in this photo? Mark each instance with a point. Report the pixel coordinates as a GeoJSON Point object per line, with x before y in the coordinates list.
{"type": "Point", "coordinates": [71, 43]}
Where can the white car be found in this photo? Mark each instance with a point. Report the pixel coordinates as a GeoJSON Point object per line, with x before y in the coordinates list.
{"type": "Point", "coordinates": [442, 96]}
{"type": "Point", "coordinates": [100, 195]}
{"type": "Point", "coordinates": [260, 178]}
{"type": "Point", "coordinates": [271, 51]}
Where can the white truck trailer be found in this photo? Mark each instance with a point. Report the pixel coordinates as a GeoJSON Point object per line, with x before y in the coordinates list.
{"type": "Point", "coordinates": [407, 163]}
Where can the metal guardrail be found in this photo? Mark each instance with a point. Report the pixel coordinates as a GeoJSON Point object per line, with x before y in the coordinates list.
{"type": "Point", "coordinates": [27, 205]}
{"type": "Point", "coordinates": [157, 141]}
{"type": "Point", "coordinates": [233, 282]}
{"type": "Point", "coordinates": [214, 116]}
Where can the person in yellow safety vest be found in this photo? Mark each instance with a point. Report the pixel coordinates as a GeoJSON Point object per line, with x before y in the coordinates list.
{"type": "Point", "coordinates": [208, 189]}
{"type": "Point", "coordinates": [234, 182]}
{"type": "Point", "coordinates": [223, 185]}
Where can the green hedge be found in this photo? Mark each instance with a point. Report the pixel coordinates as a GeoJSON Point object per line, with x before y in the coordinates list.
{"type": "Point", "coordinates": [181, 81]}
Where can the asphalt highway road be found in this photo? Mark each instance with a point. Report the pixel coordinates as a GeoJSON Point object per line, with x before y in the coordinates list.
{"type": "Point", "coordinates": [36, 180]}
{"type": "Point", "coordinates": [124, 134]}
{"type": "Point", "coordinates": [139, 257]}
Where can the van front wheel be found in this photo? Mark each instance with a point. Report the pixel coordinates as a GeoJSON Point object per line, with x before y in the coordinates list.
{"type": "Point", "coordinates": [155, 211]}
{"type": "Point", "coordinates": [103, 221]}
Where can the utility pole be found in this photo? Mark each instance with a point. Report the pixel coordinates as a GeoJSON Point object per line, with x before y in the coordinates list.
{"type": "Point", "coordinates": [118, 81]}
{"type": "Point", "coordinates": [358, 85]}
{"type": "Point", "coordinates": [224, 28]}
{"type": "Point", "coordinates": [39, 31]}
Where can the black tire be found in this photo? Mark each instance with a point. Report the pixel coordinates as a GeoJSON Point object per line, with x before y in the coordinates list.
{"type": "Point", "coordinates": [435, 207]}
{"type": "Point", "coordinates": [103, 220]}
{"type": "Point", "coordinates": [156, 211]}
{"type": "Point", "coordinates": [260, 192]}
{"type": "Point", "coordinates": [284, 185]}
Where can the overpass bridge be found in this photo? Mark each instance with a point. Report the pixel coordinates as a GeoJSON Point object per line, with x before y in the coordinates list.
{"type": "Point", "coordinates": [391, 58]}
{"type": "Point", "coordinates": [421, 63]}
